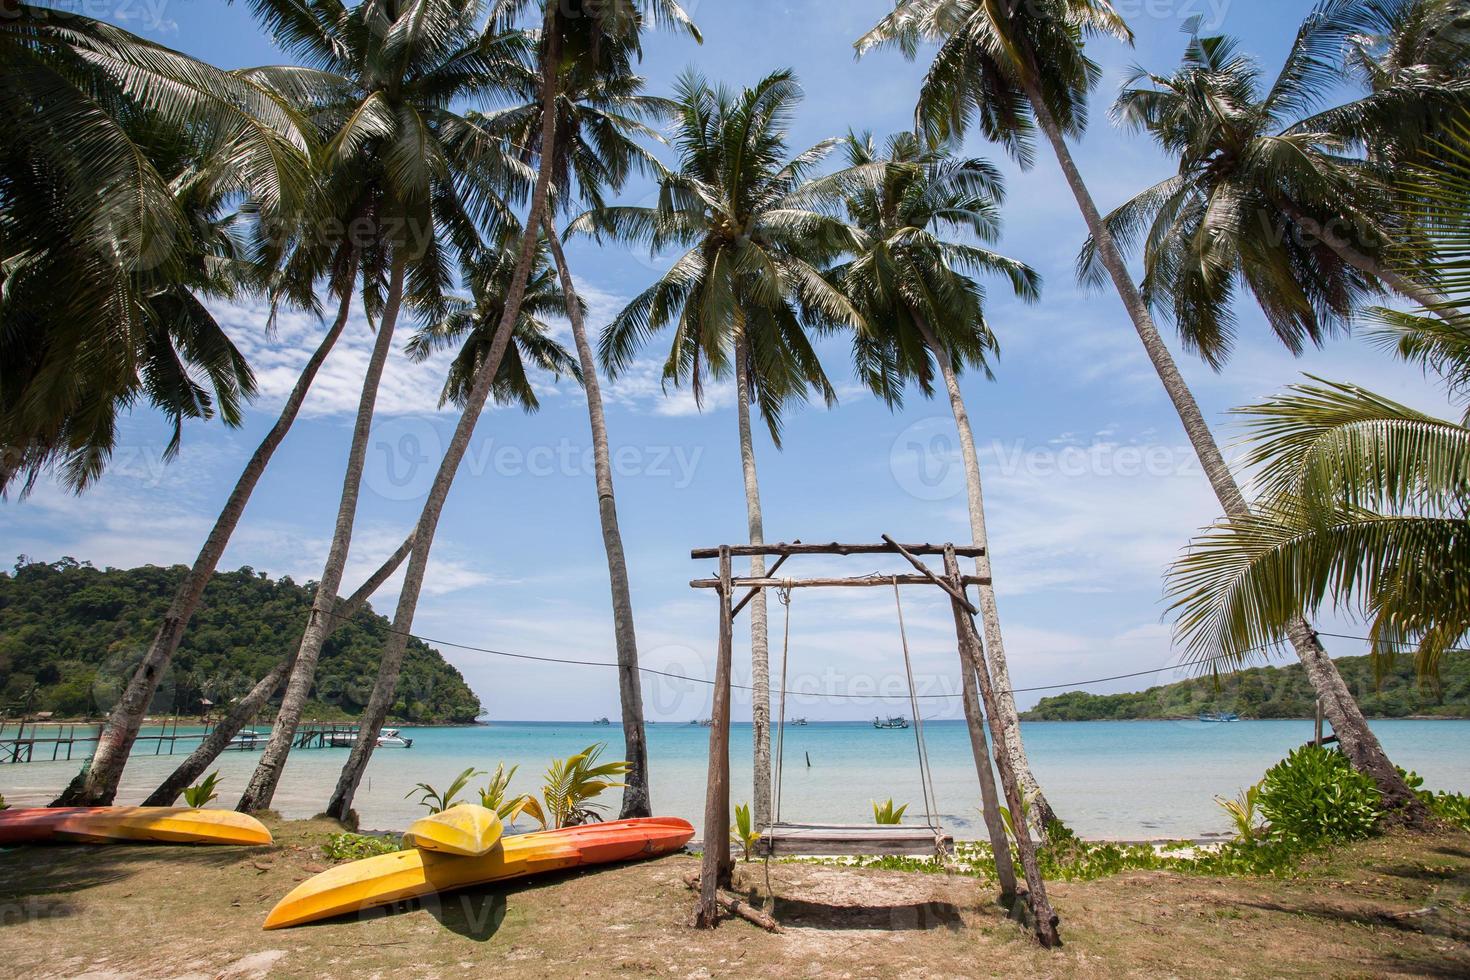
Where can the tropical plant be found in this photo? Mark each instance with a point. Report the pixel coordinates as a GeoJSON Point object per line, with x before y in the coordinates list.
{"type": "Point", "coordinates": [1314, 796]}
{"type": "Point", "coordinates": [570, 30]}
{"type": "Point", "coordinates": [436, 801]}
{"type": "Point", "coordinates": [572, 784]}
{"type": "Point", "coordinates": [755, 242]}
{"type": "Point", "coordinates": [912, 282]}
{"type": "Point", "coordinates": [355, 847]}
{"type": "Point", "coordinates": [1007, 68]}
{"type": "Point", "coordinates": [743, 831]}
{"type": "Point", "coordinates": [601, 115]}
{"type": "Point", "coordinates": [200, 796]}
{"type": "Point", "coordinates": [386, 81]}
{"type": "Point", "coordinates": [496, 796]}
{"type": "Point", "coordinates": [1244, 811]}
{"type": "Point", "coordinates": [3, 804]}
{"type": "Point", "coordinates": [886, 813]}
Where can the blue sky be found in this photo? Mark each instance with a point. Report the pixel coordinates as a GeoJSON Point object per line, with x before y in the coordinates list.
{"type": "Point", "coordinates": [1091, 487]}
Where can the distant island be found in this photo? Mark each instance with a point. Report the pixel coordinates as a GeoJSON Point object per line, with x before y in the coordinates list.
{"type": "Point", "coordinates": [1275, 692]}
{"type": "Point", "coordinates": [70, 634]}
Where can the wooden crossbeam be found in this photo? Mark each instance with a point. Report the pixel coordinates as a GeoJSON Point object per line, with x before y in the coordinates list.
{"type": "Point", "coordinates": [797, 548]}
{"type": "Point", "coordinates": [859, 581]}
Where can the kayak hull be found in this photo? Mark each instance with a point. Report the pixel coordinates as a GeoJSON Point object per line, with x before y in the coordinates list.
{"type": "Point", "coordinates": [130, 824]}
{"type": "Point", "coordinates": [389, 878]}
{"type": "Point", "coordinates": [466, 830]}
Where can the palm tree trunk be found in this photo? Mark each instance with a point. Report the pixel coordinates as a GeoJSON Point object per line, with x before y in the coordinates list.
{"type": "Point", "coordinates": [760, 655]}
{"type": "Point", "coordinates": [97, 785]}
{"type": "Point", "coordinates": [1356, 739]}
{"type": "Point", "coordinates": [1041, 812]}
{"type": "Point", "coordinates": [262, 786]}
{"type": "Point", "coordinates": [251, 704]}
{"type": "Point", "coordinates": [636, 802]}
{"type": "Point", "coordinates": [385, 688]}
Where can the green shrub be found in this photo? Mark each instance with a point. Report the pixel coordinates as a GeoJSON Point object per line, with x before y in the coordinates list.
{"type": "Point", "coordinates": [1452, 808]}
{"type": "Point", "coordinates": [1315, 796]}
{"type": "Point", "coordinates": [355, 847]}
{"type": "Point", "coordinates": [198, 797]}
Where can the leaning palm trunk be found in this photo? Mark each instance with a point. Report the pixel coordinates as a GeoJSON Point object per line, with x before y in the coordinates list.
{"type": "Point", "coordinates": [1355, 738]}
{"type": "Point", "coordinates": [251, 704]}
{"type": "Point", "coordinates": [97, 785]}
{"type": "Point", "coordinates": [262, 786]}
{"type": "Point", "coordinates": [636, 802]}
{"type": "Point", "coordinates": [1041, 813]}
{"type": "Point", "coordinates": [385, 688]}
{"type": "Point", "coordinates": [760, 656]}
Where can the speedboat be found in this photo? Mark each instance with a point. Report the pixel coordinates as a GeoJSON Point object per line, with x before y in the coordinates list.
{"type": "Point", "coordinates": [248, 739]}
{"type": "Point", "coordinates": [1218, 716]}
{"type": "Point", "coordinates": [388, 738]}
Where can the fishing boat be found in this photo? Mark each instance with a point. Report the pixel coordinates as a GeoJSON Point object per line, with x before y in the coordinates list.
{"type": "Point", "coordinates": [798, 722]}
{"type": "Point", "coordinates": [897, 721]}
{"type": "Point", "coordinates": [121, 824]}
{"type": "Point", "coordinates": [389, 878]}
{"type": "Point", "coordinates": [388, 738]}
{"type": "Point", "coordinates": [1218, 716]}
{"type": "Point", "coordinates": [602, 721]}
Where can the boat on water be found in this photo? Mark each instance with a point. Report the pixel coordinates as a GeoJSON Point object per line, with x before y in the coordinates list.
{"type": "Point", "coordinates": [602, 721]}
{"type": "Point", "coordinates": [1218, 716]}
{"type": "Point", "coordinates": [798, 722]}
{"type": "Point", "coordinates": [896, 721]}
{"type": "Point", "coordinates": [249, 739]}
{"type": "Point", "coordinates": [388, 738]}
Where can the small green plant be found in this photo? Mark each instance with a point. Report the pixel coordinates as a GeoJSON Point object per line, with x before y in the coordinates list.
{"type": "Point", "coordinates": [199, 797]}
{"type": "Point", "coordinates": [886, 814]}
{"type": "Point", "coordinates": [571, 785]}
{"type": "Point", "coordinates": [355, 847]}
{"type": "Point", "coordinates": [744, 833]}
{"type": "Point", "coordinates": [3, 804]}
{"type": "Point", "coordinates": [1452, 808]}
{"type": "Point", "coordinates": [436, 802]}
{"type": "Point", "coordinates": [496, 796]}
{"type": "Point", "coordinates": [1314, 796]}
{"type": "Point", "coordinates": [1244, 811]}
{"type": "Point", "coordinates": [1008, 822]}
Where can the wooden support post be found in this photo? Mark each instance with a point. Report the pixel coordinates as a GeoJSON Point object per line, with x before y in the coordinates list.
{"type": "Point", "coordinates": [950, 587]}
{"type": "Point", "coordinates": [1000, 844]}
{"type": "Point", "coordinates": [1044, 918]}
{"type": "Point", "coordinates": [713, 865]}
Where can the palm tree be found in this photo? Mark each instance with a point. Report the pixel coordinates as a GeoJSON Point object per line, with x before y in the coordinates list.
{"type": "Point", "coordinates": [914, 289]}
{"type": "Point", "coordinates": [755, 247]}
{"type": "Point", "coordinates": [113, 183]}
{"type": "Point", "coordinates": [1263, 198]}
{"type": "Point", "coordinates": [1365, 503]}
{"type": "Point", "coordinates": [601, 115]}
{"type": "Point", "coordinates": [1008, 69]}
{"type": "Point", "coordinates": [570, 30]}
{"type": "Point", "coordinates": [412, 179]}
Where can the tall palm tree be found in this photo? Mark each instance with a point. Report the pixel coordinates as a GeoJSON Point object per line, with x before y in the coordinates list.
{"type": "Point", "coordinates": [1264, 197]}
{"type": "Point", "coordinates": [413, 181]}
{"type": "Point", "coordinates": [1010, 69]}
{"type": "Point", "coordinates": [570, 30]}
{"type": "Point", "coordinates": [914, 288]}
{"type": "Point", "coordinates": [756, 243]}
{"type": "Point", "coordinates": [114, 180]}
{"type": "Point", "coordinates": [602, 113]}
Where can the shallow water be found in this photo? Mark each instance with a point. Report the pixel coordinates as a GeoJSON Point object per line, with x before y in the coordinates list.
{"type": "Point", "coordinates": [1126, 779]}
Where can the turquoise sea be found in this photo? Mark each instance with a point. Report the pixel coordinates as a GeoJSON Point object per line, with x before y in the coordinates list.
{"type": "Point", "coordinates": [1130, 779]}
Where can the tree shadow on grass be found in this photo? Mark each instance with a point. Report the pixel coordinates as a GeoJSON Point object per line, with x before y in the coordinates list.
{"type": "Point", "coordinates": [900, 917]}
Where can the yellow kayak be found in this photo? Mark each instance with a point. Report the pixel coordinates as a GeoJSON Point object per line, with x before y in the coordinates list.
{"type": "Point", "coordinates": [391, 878]}
{"type": "Point", "coordinates": [466, 830]}
{"type": "Point", "coordinates": [114, 824]}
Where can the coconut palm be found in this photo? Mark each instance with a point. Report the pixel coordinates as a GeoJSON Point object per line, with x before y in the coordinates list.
{"type": "Point", "coordinates": [571, 30]}
{"type": "Point", "coordinates": [120, 159]}
{"type": "Point", "coordinates": [1009, 69]}
{"type": "Point", "coordinates": [602, 113]}
{"type": "Point", "coordinates": [1266, 197]}
{"type": "Point", "coordinates": [412, 182]}
{"type": "Point", "coordinates": [755, 244]}
{"type": "Point", "coordinates": [926, 314]}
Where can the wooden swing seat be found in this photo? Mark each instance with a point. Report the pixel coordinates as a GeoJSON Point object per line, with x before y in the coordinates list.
{"type": "Point", "coordinates": [841, 840]}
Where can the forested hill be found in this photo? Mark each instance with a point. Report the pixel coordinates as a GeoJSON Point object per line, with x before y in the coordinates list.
{"type": "Point", "coordinates": [1274, 692]}
{"type": "Point", "coordinates": [71, 633]}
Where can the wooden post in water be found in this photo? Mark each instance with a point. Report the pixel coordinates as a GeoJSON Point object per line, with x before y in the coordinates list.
{"type": "Point", "coordinates": [715, 866]}
{"type": "Point", "coordinates": [1045, 919]}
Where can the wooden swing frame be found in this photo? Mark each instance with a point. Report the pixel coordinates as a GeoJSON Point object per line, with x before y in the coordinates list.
{"type": "Point", "coordinates": [717, 866]}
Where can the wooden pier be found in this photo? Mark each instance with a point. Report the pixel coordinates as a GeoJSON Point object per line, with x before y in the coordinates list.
{"type": "Point", "coordinates": [47, 741]}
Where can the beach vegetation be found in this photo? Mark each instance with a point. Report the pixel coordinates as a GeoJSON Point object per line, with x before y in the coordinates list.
{"type": "Point", "coordinates": [1314, 795]}
{"type": "Point", "coordinates": [3, 804]}
{"type": "Point", "coordinates": [355, 847]}
{"type": "Point", "coordinates": [495, 795]}
{"type": "Point", "coordinates": [743, 831]}
{"type": "Point", "coordinates": [437, 801]}
{"type": "Point", "coordinates": [206, 792]}
{"type": "Point", "coordinates": [1244, 811]}
{"type": "Point", "coordinates": [573, 784]}
{"type": "Point", "coordinates": [886, 813]}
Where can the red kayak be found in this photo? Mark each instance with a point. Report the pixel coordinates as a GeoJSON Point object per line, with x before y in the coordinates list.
{"type": "Point", "coordinates": [390, 878]}
{"type": "Point", "coordinates": [119, 824]}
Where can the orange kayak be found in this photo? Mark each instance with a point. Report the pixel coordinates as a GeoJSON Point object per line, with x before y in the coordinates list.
{"type": "Point", "coordinates": [390, 878]}
{"type": "Point", "coordinates": [120, 824]}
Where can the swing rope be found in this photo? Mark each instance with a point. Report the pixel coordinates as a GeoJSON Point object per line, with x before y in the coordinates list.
{"type": "Point", "coordinates": [783, 593]}
{"type": "Point", "coordinates": [926, 777]}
